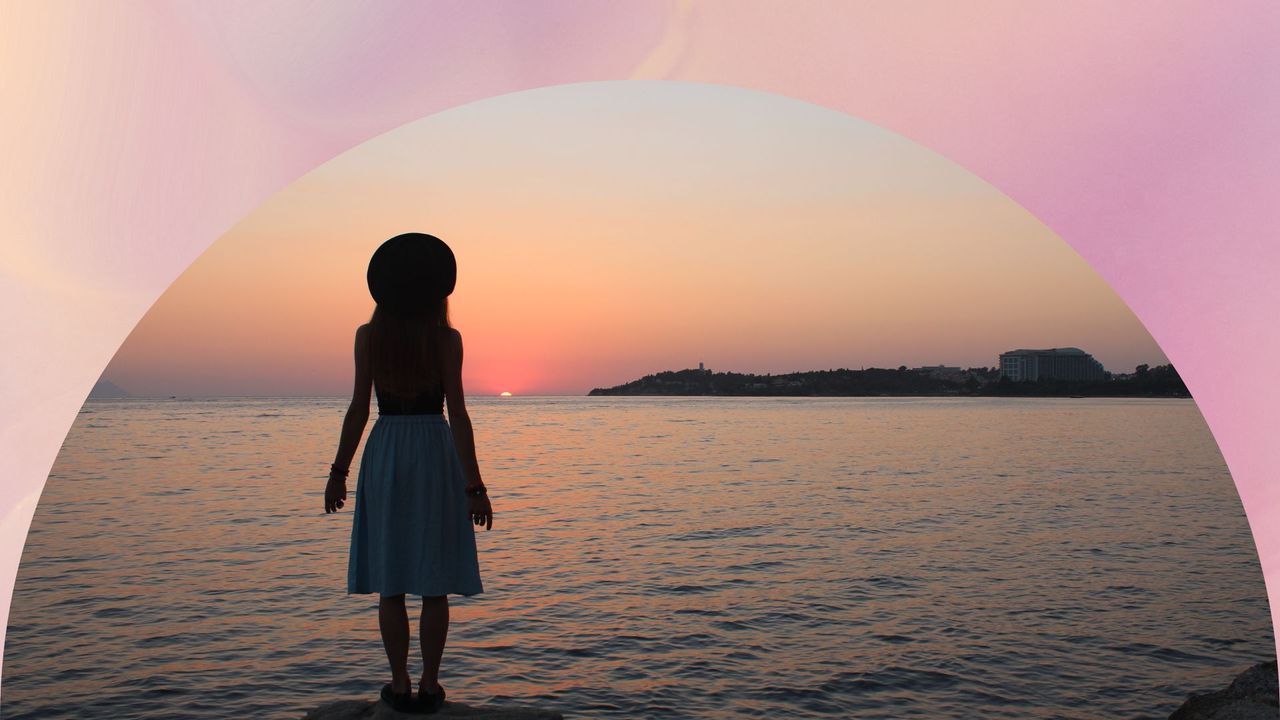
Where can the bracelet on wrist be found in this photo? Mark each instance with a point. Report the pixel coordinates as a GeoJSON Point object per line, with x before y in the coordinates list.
{"type": "Point", "coordinates": [335, 470]}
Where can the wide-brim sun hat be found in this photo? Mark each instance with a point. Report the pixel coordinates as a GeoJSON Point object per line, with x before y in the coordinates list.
{"type": "Point", "coordinates": [410, 273]}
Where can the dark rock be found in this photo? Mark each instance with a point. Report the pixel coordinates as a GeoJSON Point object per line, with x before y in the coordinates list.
{"type": "Point", "coordinates": [377, 710]}
{"type": "Point", "coordinates": [1253, 695]}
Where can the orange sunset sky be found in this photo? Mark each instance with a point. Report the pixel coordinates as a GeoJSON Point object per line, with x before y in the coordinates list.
{"type": "Point", "coordinates": [605, 231]}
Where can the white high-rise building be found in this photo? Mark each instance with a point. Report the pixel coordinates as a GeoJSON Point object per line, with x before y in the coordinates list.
{"type": "Point", "coordinates": [1051, 364]}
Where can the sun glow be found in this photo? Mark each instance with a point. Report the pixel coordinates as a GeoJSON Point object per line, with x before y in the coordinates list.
{"type": "Point", "coordinates": [504, 393]}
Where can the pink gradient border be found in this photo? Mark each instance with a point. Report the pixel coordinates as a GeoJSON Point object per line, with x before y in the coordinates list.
{"type": "Point", "coordinates": [137, 134]}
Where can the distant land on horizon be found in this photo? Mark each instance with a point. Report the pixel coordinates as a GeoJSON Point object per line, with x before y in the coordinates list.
{"type": "Point", "coordinates": [1159, 381]}
{"type": "Point", "coordinates": [106, 389]}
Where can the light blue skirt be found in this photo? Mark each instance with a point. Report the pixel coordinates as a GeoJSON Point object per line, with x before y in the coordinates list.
{"type": "Point", "coordinates": [411, 532]}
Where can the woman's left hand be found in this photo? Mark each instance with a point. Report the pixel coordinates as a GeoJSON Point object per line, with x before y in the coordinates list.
{"type": "Point", "coordinates": [335, 493]}
{"type": "Point", "coordinates": [480, 510]}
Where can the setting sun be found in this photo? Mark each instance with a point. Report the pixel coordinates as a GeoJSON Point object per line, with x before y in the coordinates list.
{"type": "Point", "coordinates": [504, 393]}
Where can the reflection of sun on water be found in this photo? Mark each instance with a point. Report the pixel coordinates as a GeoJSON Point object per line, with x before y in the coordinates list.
{"type": "Point", "coordinates": [504, 393]}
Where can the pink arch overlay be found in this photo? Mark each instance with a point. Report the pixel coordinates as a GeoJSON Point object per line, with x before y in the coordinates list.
{"type": "Point", "coordinates": [1144, 137]}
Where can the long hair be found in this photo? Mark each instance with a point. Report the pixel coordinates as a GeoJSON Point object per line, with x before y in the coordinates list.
{"type": "Point", "coordinates": [404, 349]}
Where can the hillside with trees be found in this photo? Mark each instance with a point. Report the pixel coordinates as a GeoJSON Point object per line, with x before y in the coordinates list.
{"type": "Point", "coordinates": [1159, 381]}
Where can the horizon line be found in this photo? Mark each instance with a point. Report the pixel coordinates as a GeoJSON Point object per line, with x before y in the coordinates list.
{"type": "Point", "coordinates": [129, 396]}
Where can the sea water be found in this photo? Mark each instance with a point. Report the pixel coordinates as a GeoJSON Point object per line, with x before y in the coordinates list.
{"type": "Point", "coordinates": [686, 557]}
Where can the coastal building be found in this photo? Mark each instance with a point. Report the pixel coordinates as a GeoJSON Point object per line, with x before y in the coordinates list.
{"type": "Point", "coordinates": [1072, 364]}
{"type": "Point", "coordinates": [942, 372]}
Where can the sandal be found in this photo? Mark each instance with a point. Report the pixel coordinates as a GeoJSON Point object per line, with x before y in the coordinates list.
{"type": "Point", "coordinates": [428, 703]}
{"type": "Point", "coordinates": [400, 702]}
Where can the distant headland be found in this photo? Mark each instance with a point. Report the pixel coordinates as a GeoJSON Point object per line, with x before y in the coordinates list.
{"type": "Point", "coordinates": [1145, 381]}
{"type": "Point", "coordinates": [106, 389]}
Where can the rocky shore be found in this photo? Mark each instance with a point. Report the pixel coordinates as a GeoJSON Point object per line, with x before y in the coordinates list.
{"type": "Point", "coordinates": [1251, 696]}
{"type": "Point", "coordinates": [377, 710]}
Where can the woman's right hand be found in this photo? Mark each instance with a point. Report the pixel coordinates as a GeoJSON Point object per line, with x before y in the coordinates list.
{"type": "Point", "coordinates": [480, 511]}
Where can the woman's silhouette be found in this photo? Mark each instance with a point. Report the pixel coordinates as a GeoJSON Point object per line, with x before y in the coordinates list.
{"type": "Point", "coordinates": [419, 480]}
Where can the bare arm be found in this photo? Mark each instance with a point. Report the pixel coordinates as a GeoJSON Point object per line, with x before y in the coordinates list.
{"type": "Point", "coordinates": [352, 425]}
{"type": "Point", "coordinates": [460, 423]}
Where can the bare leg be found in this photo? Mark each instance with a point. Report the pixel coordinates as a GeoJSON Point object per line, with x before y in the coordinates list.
{"type": "Point", "coordinates": [432, 633]}
{"type": "Point", "coordinates": [393, 621]}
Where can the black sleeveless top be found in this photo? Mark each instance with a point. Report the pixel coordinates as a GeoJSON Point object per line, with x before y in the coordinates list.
{"type": "Point", "coordinates": [427, 402]}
